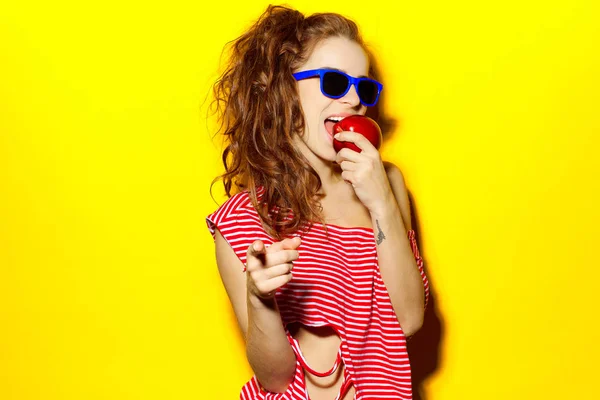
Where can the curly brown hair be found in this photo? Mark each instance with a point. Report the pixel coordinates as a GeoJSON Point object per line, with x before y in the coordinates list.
{"type": "Point", "coordinates": [259, 113]}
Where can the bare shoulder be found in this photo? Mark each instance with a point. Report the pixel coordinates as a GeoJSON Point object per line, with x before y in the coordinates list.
{"type": "Point", "coordinates": [390, 167]}
{"type": "Point", "coordinates": [398, 185]}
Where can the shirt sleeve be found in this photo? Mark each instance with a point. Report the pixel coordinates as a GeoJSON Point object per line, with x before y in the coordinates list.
{"type": "Point", "coordinates": [239, 225]}
{"type": "Point", "coordinates": [415, 250]}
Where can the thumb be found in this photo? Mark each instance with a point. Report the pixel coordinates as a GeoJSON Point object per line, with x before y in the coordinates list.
{"type": "Point", "coordinates": [291, 244]}
{"type": "Point", "coordinates": [285, 244]}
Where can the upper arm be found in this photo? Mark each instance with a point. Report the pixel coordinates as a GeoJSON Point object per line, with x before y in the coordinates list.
{"type": "Point", "coordinates": [396, 180]}
{"type": "Point", "coordinates": [398, 185]}
{"type": "Point", "coordinates": [234, 280]}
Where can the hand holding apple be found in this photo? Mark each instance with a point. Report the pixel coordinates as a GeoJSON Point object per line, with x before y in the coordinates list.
{"type": "Point", "coordinates": [361, 164]}
{"type": "Point", "coordinates": [360, 124]}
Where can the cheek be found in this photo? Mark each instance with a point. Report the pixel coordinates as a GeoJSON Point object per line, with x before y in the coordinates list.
{"type": "Point", "coordinates": [312, 98]}
{"type": "Point", "coordinates": [314, 104]}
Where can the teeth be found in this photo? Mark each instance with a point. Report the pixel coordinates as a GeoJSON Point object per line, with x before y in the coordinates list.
{"type": "Point", "coordinates": [336, 119]}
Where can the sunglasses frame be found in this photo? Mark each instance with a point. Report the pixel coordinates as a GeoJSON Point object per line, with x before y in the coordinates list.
{"type": "Point", "coordinates": [351, 81]}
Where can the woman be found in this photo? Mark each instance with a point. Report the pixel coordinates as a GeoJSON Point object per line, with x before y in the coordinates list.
{"type": "Point", "coordinates": [335, 327]}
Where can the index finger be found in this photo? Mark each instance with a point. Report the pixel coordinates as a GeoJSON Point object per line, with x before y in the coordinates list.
{"type": "Point", "coordinates": [257, 249]}
{"type": "Point", "coordinates": [355, 137]}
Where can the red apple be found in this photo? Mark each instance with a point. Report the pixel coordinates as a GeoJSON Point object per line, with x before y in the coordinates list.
{"type": "Point", "coordinates": [360, 124]}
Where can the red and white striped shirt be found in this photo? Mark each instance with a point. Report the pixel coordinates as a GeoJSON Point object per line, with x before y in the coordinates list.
{"type": "Point", "coordinates": [336, 282]}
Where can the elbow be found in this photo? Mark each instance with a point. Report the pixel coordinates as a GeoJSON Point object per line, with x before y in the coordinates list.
{"type": "Point", "coordinates": [275, 375]}
{"type": "Point", "coordinates": [413, 323]}
{"type": "Point", "coordinates": [275, 387]}
{"type": "Point", "coordinates": [276, 383]}
{"type": "Point", "coordinates": [414, 317]}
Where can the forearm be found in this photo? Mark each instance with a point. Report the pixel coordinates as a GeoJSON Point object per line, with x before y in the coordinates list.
{"type": "Point", "coordinates": [398, 266]}
{"type": "Point", "coordinates": [267, 348]}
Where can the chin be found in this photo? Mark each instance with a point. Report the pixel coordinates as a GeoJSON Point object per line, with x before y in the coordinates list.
{"type": "Point", "coordinates": [329, 157]}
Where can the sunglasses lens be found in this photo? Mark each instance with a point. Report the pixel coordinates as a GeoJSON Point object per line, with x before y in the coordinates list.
{"type": "Point", "coordinates": [367, 91]}
{"type": "Point", "coordinates": [334, 84]}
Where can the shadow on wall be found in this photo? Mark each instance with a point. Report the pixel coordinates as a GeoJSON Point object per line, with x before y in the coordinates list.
{"type": "Point", "coordinates": [424, 346]}
{"type": "Point", "coordinates": [387, 124]}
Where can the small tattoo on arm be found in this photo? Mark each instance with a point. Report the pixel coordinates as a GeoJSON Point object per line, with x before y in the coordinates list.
{"type": "Point", "coordinates": [380, 235]}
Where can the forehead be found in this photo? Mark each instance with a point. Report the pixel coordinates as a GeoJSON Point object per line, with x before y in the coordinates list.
{"type": "Point", "coordinates": [340, 53]}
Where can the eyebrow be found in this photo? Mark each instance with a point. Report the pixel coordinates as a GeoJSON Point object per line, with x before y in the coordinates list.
{"type": "Point", "coordinates": [341, 70]}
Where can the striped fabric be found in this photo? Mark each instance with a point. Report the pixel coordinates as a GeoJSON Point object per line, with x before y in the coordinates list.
{"type": "Point", "coordinates": [336, 282]}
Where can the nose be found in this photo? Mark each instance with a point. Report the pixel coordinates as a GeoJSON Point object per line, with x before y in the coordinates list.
{"type": "Point", "coordinates": [351, 97]}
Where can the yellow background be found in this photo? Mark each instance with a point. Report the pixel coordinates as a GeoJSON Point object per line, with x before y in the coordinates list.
{"type": "Point", "coordinates": [108, 283]}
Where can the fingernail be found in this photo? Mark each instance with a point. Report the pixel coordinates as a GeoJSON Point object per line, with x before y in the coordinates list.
{"type": "Point", "coordinates": [255, 246]}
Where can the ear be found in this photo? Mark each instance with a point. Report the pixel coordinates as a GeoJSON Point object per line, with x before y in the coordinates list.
{"type": "Point", "coordinates": [396, 180]}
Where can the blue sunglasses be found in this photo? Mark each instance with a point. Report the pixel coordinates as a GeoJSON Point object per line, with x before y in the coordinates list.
{"type": "Point", "coordinates": [335, 84]}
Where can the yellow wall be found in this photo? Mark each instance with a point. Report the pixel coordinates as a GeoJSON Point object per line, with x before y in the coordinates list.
{"type": "Point", "coordinates": [108, 284]}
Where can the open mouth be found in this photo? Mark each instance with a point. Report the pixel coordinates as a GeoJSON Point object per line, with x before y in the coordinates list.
{"type": "Point", "coordinates": [330, 122]}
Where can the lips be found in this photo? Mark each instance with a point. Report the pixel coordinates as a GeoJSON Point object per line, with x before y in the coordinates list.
{"type": "Point", "coordinates": [332, 120]}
